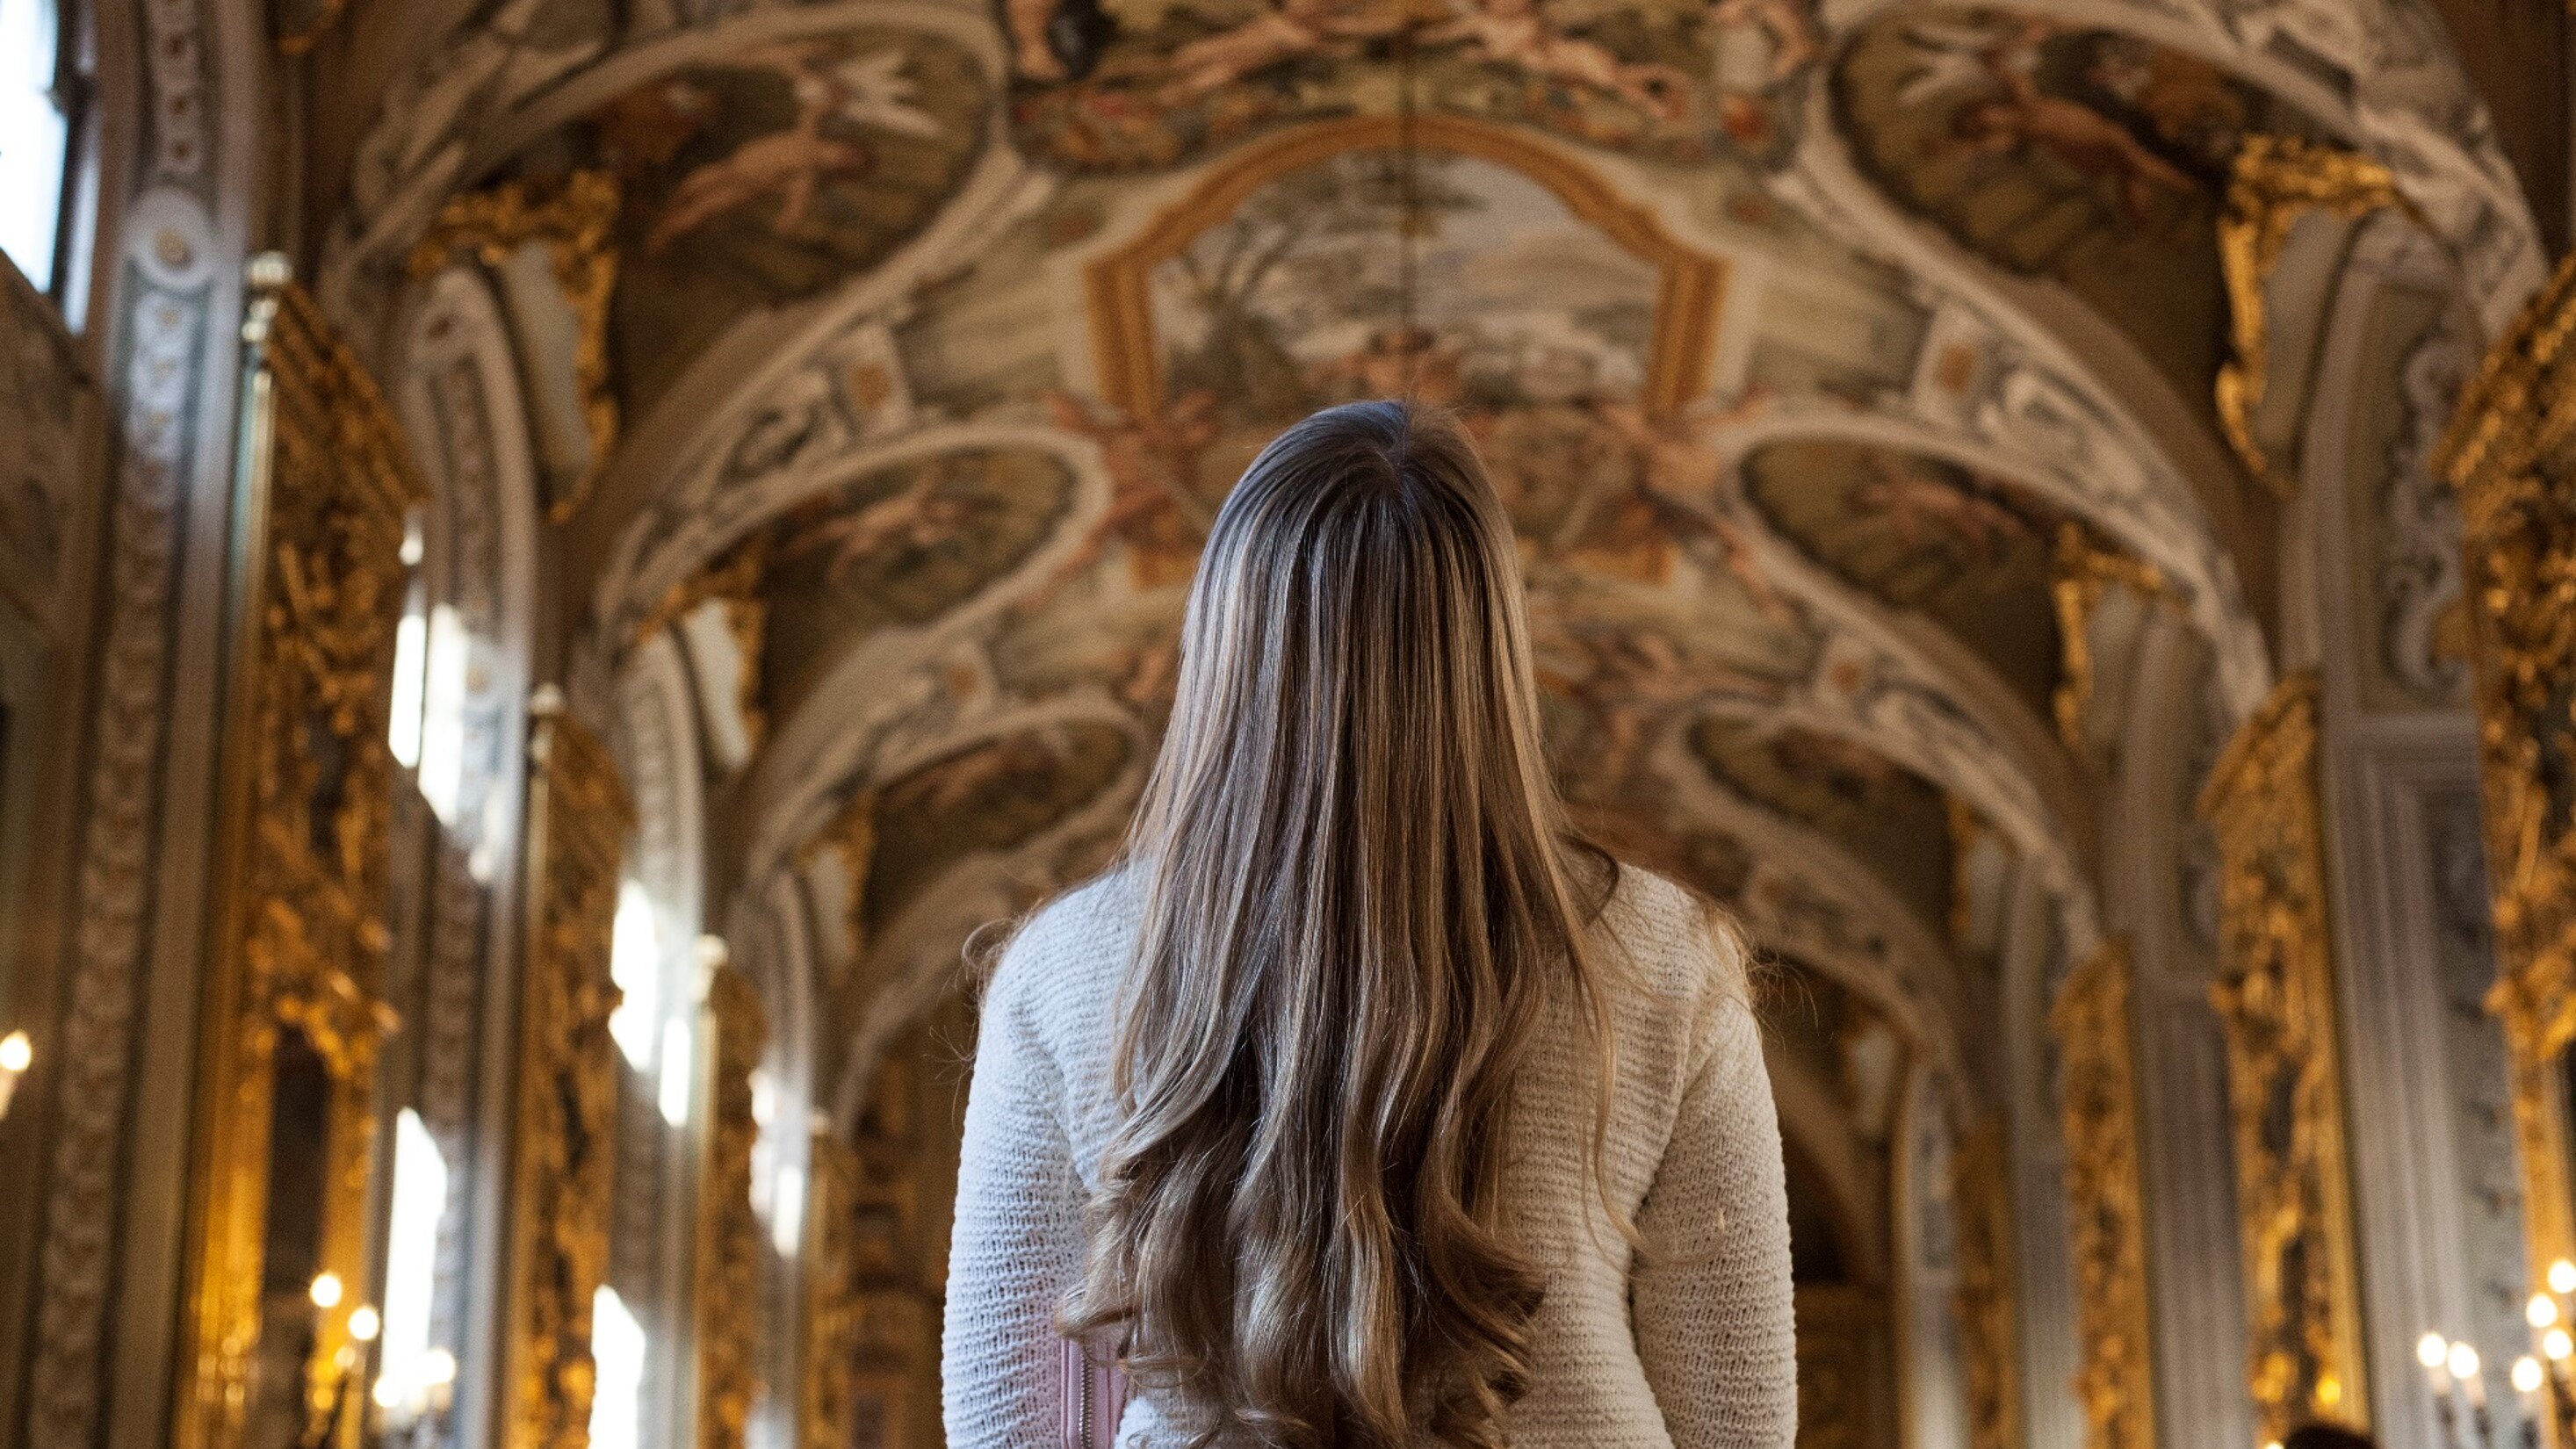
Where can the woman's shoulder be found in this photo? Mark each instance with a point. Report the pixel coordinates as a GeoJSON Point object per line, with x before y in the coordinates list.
{"type": "Point", "coordinates": [1067, 943]}
{"type": "Point", "coordinates": [1680, 944]}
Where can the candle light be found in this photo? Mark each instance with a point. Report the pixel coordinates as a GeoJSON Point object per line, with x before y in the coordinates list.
{"type": "Point", "coordinates": [2562, 1277]}
{"type": "Point", "coordinates": [2557, 1345]}
{"type": "Point", "coordinates": [2541, 1311]}
{"type": "Point", "coordinates": [2473, 1381]}
{"type": "Point", "coordinates": [2433, 1351]}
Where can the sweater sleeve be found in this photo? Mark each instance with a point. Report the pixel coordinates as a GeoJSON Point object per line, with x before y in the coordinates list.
{"type": "Point", "coordinates": [1017, 1243]}
{"type": "Point", "coordinates": [1713, 1315]}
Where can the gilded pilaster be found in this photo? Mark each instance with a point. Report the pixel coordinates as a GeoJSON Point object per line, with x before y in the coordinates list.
{"type": "Point", "coordinates": [2105, 1199]}
{"type": "Point", "coordinates": [1989, 1327]}
{"type": "Point", "coordinates": [729, 1244]}
{"type": "Point", "coordinates": [828, 1408]}
{"type": "Point", "coordinates": [2276, 1004]}
{"type": "Point", "coordinates": [565, 1136]}
{"type": "Point", "coordinates": [2507, 454]}
{"type": "Point", "coordinates": [299, 934]}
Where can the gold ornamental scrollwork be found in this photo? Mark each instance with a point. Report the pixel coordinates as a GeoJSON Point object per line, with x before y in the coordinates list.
{"type": "Point", "coordinates": [563, 1175]}
{"type": "Point", "coordinates": [834, 1322]}
{"type": "Point", "coordinates": [729, 1240]}
{"type": "Point", "coordinates": [2098, 1086]}
{"type": "Point", "coordinates": [576, 224]}
{"type": "Point", "coordinates": [2276, 1005]}
{"type": "Point", "coordinates": [299, 936]}
{"type": "Point", "coordinates": [2275, 182]}
{"type": "Point", "coordinates": [2507, 454]}
{"type": "Point", "coordinates": [734, 585]}
{"type": "Point", "coordinates": [2081, 570]}
{"type": "Point", "coordinates": [1985, 1306]}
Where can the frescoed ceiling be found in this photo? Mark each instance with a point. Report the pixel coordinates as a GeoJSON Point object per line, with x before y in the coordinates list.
{"type": "Point", "coordinates": [938, 330]}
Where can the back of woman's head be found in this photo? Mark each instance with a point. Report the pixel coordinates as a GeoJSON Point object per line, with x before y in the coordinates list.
{"type": "Point", "coordinates": [1358, 898]}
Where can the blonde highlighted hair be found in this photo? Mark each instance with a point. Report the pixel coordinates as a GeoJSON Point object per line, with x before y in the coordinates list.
{"type": "Point", "coordinates": [1360, 893]}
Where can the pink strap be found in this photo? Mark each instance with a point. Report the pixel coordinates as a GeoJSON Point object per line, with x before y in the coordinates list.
{"type": "Point", "coordinates": [1095, 1399]}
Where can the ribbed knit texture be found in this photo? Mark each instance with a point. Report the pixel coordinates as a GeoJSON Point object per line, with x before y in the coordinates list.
{"type": "Point", "coordinates": [1691, 1346]}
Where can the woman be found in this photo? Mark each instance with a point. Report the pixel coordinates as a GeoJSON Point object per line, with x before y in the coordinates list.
{"type": "Point", "coordinates": [1360, 1106]}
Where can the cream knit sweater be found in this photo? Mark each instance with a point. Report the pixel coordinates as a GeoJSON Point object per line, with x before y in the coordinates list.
{"type": "Point", "coordinates": [1692, 1348]}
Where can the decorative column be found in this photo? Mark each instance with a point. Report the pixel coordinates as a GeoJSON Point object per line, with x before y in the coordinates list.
{"type": "Point", "coordinates": [2105, 1199]}
{"type": "Point", "coordinates": [565, 1132]}
{"type": "Point", "coordinates": [827, 1404]}
{"type": "Point", "coordinates": [1989, 1327]}
{"type": "Point", "coordinates": [729, 1239]}
{"type": "Point", "coordinates": [2276, 1004]}
{"type": "Point", "coordinates": [296, 959]}
{"type": "Point", "coordinates": [2507, 455]}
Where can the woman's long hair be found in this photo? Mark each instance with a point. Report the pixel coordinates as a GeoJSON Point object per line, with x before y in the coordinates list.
{"type": "Point", "coordinates": [1360, 894]}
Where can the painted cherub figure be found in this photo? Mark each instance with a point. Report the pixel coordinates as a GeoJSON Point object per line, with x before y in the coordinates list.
{"type": "Point", "coordinates": [1794, 42]}
{"type": "Point", "coordinates": [2093, 144]}
{"type": "Point", "coordinates": [1921, 505]}
{"type": "Point", "coordinates": [794, 162]}
{"type": "Point", "coordinates": [1514, 33]}
{"type": "Point", "coordinates": [1284, 30]}
{"type": "Point", "coordinates": [1153, 464]}
{"type": "Point", "coordinates": [917, 517]}
{"type": "Point", "coordinates": [1678, 462]}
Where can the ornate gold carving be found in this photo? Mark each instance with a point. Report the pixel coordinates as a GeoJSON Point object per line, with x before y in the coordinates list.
{"type": "Point", "coordinates": [735, 584]}
{"type": "Point", "coordinates": [827, 1417]}
{"type": "Point", "coordinates": [1989, 1327]}
{"type": "Point", "coordinates": [853, 832]}
{"type": "Point", "coordinates": [729, 1245]}
{"type": "Point", "coordinates": [2082, 569]}
{"type": "Point", "coordinates": [2100, 1093]}
{"type": "Point", "coordinates": [299, 936]}
{"type": "Point", "coordinates": [576, 224]}
{"type": "Point", "coordinates": [2275, 1000]}
{"type": "Point", "coordinates": [2507, 454]}
{"type": "Point", "coordinates": [2276, 181]}
{"type": "Point", "coordinates": [563, 1177]}
{"type": "Point", "coordinates": [1119, 285]}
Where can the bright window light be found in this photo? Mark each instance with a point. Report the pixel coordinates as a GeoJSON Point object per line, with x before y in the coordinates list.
{"type": "Point", "coordinates": [442, 728]}
{"type": "Point", "coordinates": [787, 1211]}
{"type": "Point", "coordinates": [402, 730]}
{"type": "Point", "coordinates": [410, 1361]}
{"type": "Point", "coordinates": [635, 964]}
{"type": "Point", "coordinates": [617, 1352]}
{"type": "Point", "coordinates": [34, 135]}
{"type": "Point", "coordinates": [676, 1077]}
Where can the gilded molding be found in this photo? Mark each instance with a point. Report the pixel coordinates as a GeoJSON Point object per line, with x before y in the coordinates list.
{"type": "Point", "coordinates": [1985, 1305]}
{"type": "Point", "coordinates": [2506, 454]}
{"type": "Point", "coordinates": [735, 584]}
{"type": "Point", "coordinates": [853, 832]}
{"type": "Point", "coordinates": [579, 818]}
{"type": "Point", "coordinates": [2098, 1087]}
{"type": "Point", "coordinates": [827, 1412]}
{"type": "Point", "coordinates": [299, 936]}
{"type": "Point", "coordinates": [730, 1246]}
{"type": "Point", "coordinates": [2275, 1002]}
{"type": "Point", "coordinates": [576, 225]}
{"type": "Point", "coordinates": [2082, 569]}
{"type": "Point", "coordinates": [2275, 183]}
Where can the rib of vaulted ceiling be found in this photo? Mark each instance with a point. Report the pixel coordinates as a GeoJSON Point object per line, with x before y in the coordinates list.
{"type": "Point", "coordinates": [879, 448]}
